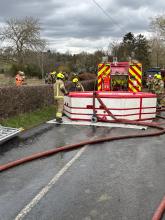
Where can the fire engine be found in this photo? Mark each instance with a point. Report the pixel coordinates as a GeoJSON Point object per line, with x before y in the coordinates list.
{"type": "Point", "coordinates": [119, 95]}
{"type": "Point", "coordinates": [120, 76]}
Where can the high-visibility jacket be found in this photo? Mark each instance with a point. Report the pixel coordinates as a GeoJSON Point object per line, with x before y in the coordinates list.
{"type": "Point", "coordinates": [19, 80]}
{"type": "Point", "coordinates": [79, 87]}
{"type": "Point", "coordinates": [59, 89]}
{"type": "Point", "coordinates": [75, 87]}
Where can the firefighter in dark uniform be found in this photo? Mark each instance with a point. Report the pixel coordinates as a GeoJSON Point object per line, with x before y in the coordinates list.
{"type": "Point", "coordinates": [76, 86]}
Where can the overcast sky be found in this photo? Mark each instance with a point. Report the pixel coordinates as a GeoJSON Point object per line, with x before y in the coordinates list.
{"type": "Point", "coordinates": [80, 25]}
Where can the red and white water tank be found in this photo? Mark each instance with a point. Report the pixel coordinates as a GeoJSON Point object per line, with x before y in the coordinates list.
{"type": "Point", "coordinates": [123, 105]}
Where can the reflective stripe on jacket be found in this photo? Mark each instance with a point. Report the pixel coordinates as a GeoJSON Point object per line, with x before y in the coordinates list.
{"type": "Point", "coordinates": [59, 89]}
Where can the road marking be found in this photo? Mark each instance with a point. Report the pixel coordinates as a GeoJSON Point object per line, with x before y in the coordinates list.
{"type": "Point", "coordinates": [46, 189]}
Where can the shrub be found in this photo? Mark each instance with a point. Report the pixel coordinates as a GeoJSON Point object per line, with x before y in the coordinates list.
{"type": "Point", "coordinates": [16, 100]}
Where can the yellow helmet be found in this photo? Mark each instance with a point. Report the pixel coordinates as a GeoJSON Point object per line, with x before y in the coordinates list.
{"type": "Point", "coordinates": [53, 73]}
{"type": "Point", "coordinates": [75, 80]}
{"type": "Point", "coordinates": [159, 76]}
{"type": "Point", "coordinates": [60, 75]}
{"type": "Point", "coordinates": [155, 76]}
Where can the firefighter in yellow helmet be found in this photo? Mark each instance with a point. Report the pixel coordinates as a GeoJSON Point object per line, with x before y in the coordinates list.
{"type": "Point", "coordinates": [77, 86]}
{"type": "Point", "coordinates": [158, 89]}
{"type": "Point", "coordinates": [59, 92]}
{"type": "Point", "coordinates": [53, 76]}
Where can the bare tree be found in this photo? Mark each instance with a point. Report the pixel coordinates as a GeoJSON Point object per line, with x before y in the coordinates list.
{"type": "Point", "coordinates": [157, 26]}
{"type": "Point", "coordinates": [22, 35]}
{"type": "Point", "coordinates": [157, 52]}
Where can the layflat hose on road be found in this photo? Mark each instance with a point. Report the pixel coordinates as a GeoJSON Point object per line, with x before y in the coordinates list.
{"type": "Point", "coordinates": [161, 131]}
{"type": "Point", "coordinates": [161, 208]}
{"type": "Point", "coordinates": [87, 142]}
{"type": "Point", "coordinates": [160, 211]}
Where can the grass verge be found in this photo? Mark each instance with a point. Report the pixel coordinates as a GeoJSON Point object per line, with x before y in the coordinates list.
{"type": "Point", "coordinates": [29, 120]}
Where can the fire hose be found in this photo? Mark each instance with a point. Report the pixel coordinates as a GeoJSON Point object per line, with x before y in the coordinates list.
{"type": "Point", "coordinates": [161, 130]}
{"type": "Point", "coordinates": [160, 211]}
{"type": "Point", "coordinates": [161, 208]}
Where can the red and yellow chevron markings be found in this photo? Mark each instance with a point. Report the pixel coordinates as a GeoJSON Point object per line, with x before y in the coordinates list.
{"type": "Point", "coordinates": [135, 77]}
{"type": "Point", "coordinates": [103, 70]}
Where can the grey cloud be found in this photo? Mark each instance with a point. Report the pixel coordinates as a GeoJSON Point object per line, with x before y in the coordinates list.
{"type": "Point", "coordinates": [82, 21]}
{"type": "Point", "coordinates": [35, 8]}
{"type": "Point", "coordinates": [132, 4]}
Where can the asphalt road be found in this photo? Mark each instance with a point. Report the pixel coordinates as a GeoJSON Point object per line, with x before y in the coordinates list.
{"type": "Point", "coordinates": [120, 180]}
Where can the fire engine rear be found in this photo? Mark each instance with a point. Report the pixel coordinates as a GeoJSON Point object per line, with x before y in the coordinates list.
{"type": "Point", "coordinates": [120, 76]}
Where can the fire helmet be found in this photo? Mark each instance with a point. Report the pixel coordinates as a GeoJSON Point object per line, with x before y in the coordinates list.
{"type": "Point", "coordinates": [21, 73]}
{"type": "Point", "coordinates": [53, 73]}
{"type": "Point", "coordinates": [60, 75]}
{"type": "Point", "coordinates": [159, 76]}
{"type": "Point", "coordinates": [75, 80]}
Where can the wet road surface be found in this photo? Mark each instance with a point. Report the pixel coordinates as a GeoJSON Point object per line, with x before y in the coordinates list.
{"type": "Point", "coordinates": [119, 180]}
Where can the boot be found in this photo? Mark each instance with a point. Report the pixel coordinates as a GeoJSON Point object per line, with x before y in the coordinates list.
{"type": "Point", "coordinates": [59, 120]}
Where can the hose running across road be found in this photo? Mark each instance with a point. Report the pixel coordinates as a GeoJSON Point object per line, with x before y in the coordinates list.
{"type": "Point", "coordinates": [161, 130]}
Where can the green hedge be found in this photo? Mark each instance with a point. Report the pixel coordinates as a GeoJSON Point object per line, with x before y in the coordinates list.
{"type": "Point", "coordinates": [16, 100]}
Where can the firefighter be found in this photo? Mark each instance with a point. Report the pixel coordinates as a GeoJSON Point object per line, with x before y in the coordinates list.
{"type": "Point", "coordinates": [125, 86]}
{"type": "Point", "coordinates": [20, 78]}
{"type": "Point", "coordinates": [59, 92]}
{"type": "Point", "coordinates": [122, 84]}
{"type": "Point", "coordinates": [47, 78]}
{"type": "Point", "coordinates": [149, 83]}
{"type": "Point", "coordinates": [113, 84]}
{"type": "Point", "coordinates": [158, 88]}
{"type": "Point", "coordinates": [117, 84]}
{"type": "Point", "coordinates": [53, 76]}
{"type": "Point", "coordinates": [77, 86]}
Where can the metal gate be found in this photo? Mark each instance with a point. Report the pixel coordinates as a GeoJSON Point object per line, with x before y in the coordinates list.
{"type": "Point", "coordinates": [7, 133]}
